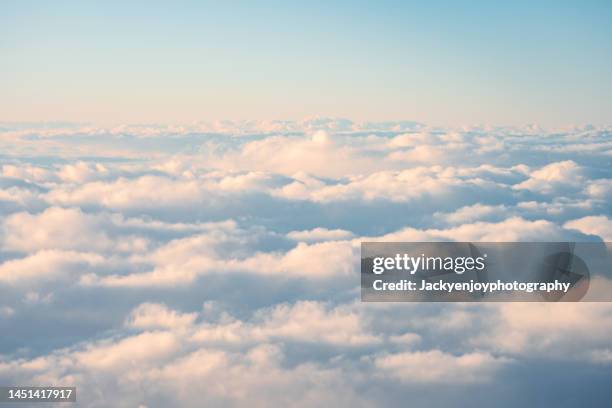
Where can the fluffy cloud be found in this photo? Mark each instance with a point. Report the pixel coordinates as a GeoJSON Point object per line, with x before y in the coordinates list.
{"type": "Point", "coordinates": [473, 213]}
{"type": "Point", "coordinates": [600, 189]}
{"type": "Point", "coordinates": [596, 225]}
{"type": "Point", "coordinates": [173, 353]}
{"type": "Point", "coordinates": [320, 234]}
{"type": "Point", "coordinates": [319, 153]}
{"type": "Point", "coordinates": [554, 177]}
{"type": "Point", "coordinates": [182, 262]}
{"type": "Point", "coordinates": [154, 315]}
{"type": "Point", "coordinates": [562, 331]}
{"type": "Point", "coordinates": [124, 193]}
{"type": "Point", "coordinates": [305, 321]}
{"type": "Point", "coordinates": [47, 265]}
{"type": "Point", "coordinates": [54, 228]}
{"type": "Point", "coordinates": [438, 367]}
{"type": "Point", "coordinates": [112, 239]}
{"type": "Point", "coordinates": [513, 229]}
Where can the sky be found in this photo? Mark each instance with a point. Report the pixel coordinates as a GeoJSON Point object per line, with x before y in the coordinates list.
{"type": "Point", "coordinates": [443, 63]}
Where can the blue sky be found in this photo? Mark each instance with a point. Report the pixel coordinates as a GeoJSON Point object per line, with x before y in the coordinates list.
{"type": "Point", "coordinates": [442, 63]}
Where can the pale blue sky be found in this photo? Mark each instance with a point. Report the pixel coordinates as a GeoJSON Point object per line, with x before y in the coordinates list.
{"type": "Point", "coordinates": [440, 63]}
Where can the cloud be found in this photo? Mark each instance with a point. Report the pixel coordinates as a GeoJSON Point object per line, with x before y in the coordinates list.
{"type": "Point", "coordinates": [47, 265]}
{"type": "Point", "coordinates": [514, 229]}
{"type": "Point", "coordinates": [182, 261]}
{"type": "Point", "coordinates": [320, 234]}
{"type": "Point", "coordinates": [173, 362]}
{"type": "Point", "coordinates": [54, 228]}
{"type": "Point", "coordinates": [81, 172]}
{"type": "Point", "coordinates": [143, 262]}
{"type": "Point", "coordinates": [402, 185]}
{"type": "Point", "coordinates": [596, 225]}
{"type": "Point", "coordinates": [439, 367]}
{"type": "Point", "coordinates": [545, 330]}
{"type": "Point", "coordinates": [154, 316]}
{"type": "Point", "coordinates": [139, 351]}
{"type": "Point", "coordinates": [305, 321]}
{"type": "Point", "coordinates": [473, 213]}
{"type": "Point", "coordinates": [318, 154]}
{"type": "Point", "coordinates": [600, 189]}
{"type": "Point", "coordinates": [145, 191]}
{"type": "Point", "coordinates": [27, 172]}
{"type": "Point", "coordinates": [554, 177]}
{"type": "Point", "coordinates": [405, 339]}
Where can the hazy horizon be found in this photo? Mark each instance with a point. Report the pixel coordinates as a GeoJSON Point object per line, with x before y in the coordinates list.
{"type": "Point", "coordinates": [442, 63]}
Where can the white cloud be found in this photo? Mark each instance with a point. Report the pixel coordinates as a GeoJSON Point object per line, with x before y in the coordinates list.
{"type": "Point", "coordinates": [68, 229]}
{"type": "Point", "coordinates": [562, 331]}
{"type": "Point", "coordinates": [436, 366]}
{"type": "Point", "coordinates": [175, 363]}
{"type": "Point", "coordinates": [145, 191]}
{"type": "Point", "coordinates": [136, 352]}
{"type": "Point", "coordinates": [155, 315]}
{"type": "Point", "coordinates": [24, 198]}
{"type": "Point", "coordinates": [398, 186]}
{"type": "Point", "coordinates": [102, 228]}
{"type": "Point", "coordinates": [54, 228]}
{"type": "Point", "coordinates": [318, 154]}
{"type": "Point", "coordinates": [472, 213]}
{"type": "Point", "coordinates": [47, 265]}
{"type": "Point", "coordinates": [81, 172]}
{"type": "Point", "coordinates": [514, 229]}
{"type": "Point", "coordinates": [181, 262]}
{"type": "Point", "coordinates": [600, 189]}
{"type": "Point", "coordinates": [304, 321]}
{"type": "Point", "coordinates": [320, 234]}
{"type": "Point", "coordinates": [554, 177]}
{"type": "Point", "coordinates": [407, 339]}
{"type": "Point", "coordinates": [595, 224]}
{"type": "Point", "coordinates": [27, 172]}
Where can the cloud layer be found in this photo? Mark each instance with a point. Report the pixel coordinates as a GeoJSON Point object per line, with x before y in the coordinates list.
{"type": "Point", "coordinates": [217, 264]}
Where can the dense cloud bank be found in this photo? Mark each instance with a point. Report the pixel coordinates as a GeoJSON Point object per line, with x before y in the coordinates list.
{"type": "Point", "coordinates": [217, 264]}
